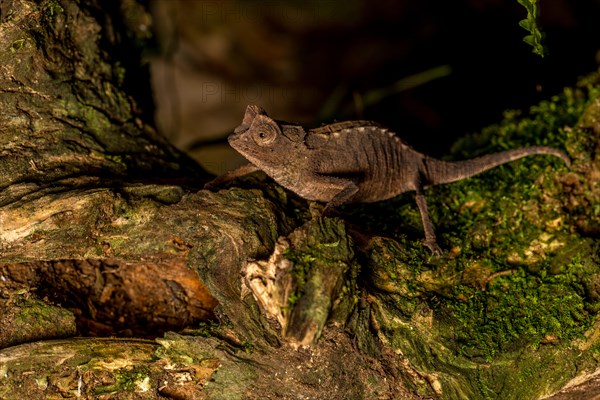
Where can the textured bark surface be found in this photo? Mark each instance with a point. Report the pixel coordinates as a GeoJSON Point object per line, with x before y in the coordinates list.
{"type": "Point", "coordinates": [102, 216]}
{"type": "Point", "coordinates": [79, 161]}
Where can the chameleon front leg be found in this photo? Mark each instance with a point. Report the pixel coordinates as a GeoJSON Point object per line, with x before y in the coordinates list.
{"type": "Point", "coordinates": [231, 175]}
{"type": "Point", "coordinates": [331, 190]}
{"type": "Point", "coordinates": [346, 192]}
{"type": "Point", "coordinates": [430, 239]}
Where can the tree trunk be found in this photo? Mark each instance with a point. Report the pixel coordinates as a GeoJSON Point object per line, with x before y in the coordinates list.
{"type": "Point", "coordinates": [101, 215]}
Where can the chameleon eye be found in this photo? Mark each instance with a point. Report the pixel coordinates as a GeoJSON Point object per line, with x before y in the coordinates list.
{"type": "Point", "coordinates": [264, 136]}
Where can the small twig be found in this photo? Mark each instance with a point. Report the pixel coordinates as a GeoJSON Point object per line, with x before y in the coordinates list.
{"type": "Point", "coordinates": [496, 275]}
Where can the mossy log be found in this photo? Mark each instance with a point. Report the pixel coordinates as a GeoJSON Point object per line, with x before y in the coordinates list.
{"type": "Point", "coordinates": [100, 214]}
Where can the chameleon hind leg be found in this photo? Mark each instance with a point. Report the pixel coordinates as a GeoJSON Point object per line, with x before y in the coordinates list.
{"type": "Point", "coordinates": [430, 239]}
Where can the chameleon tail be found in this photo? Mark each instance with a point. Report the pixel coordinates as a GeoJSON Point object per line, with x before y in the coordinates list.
{"type": "Point", "coordinates": [438, 172]}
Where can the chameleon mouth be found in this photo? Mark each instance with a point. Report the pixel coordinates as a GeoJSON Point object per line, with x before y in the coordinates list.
{"type": "Point", "coordinates": [234, 137]}
{"type": "Point", "coordinates": [237, 139]}
{"type": "Point", "coordinates": [241, 143]}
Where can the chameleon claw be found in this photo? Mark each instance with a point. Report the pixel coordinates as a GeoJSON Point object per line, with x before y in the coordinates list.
{"type": "Point", "coordinates": [434, 247]}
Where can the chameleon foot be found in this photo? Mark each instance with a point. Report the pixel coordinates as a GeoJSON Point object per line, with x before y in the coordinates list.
{"type": "Point", "coordinates": [434, 247]}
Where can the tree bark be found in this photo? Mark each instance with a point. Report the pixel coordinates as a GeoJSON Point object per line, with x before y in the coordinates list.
{"type": "Point", "coordinates": [100, 214]}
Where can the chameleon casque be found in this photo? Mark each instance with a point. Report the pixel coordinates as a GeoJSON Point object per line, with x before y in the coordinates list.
{"type": "Point", "coordinates": [352, 162]}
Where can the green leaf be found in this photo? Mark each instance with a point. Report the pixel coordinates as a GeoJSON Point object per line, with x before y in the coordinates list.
{"type": "Point", "coordinates": [527, 24]}
{"type": "Point", "coordinates": [530, 40]}
{"type": "Point", "coordinates": [528, 6]}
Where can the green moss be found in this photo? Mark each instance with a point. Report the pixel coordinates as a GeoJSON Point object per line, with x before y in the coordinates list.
{"type": "Point", "coordinates": [52, 8]}
{"type": "Point", "coordinates": [119, 73]}
{"type": "Point", "coordinates": [517, 310]}
{"type": "Point", "coordinates": [18, 45]}
{"type": "Point", "coordinates": [221, 330]}
{"type": "Point", "coordinates": [126, 380]}
{"type": "Point", "coordinates": [484, 344]}
{"type": "Point", "coordinates": [115, 158]}
{"type": "Point", "coordinates": [161, 193]}
{"type": "Point", "coordinates": [95, 122]}
{"type": "Point", "coordinates": [32, 319]}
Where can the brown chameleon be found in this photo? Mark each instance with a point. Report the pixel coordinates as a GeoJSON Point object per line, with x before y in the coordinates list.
{"type": "Point", "coordinates": [352, 162]}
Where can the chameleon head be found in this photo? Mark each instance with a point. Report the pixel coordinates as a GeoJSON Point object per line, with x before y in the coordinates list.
{"type": "Point", "coordinates": [259, 138]}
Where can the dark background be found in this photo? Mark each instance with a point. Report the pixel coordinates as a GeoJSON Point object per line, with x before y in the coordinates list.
{"type": "Point", "coordinates": [318, 61]}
